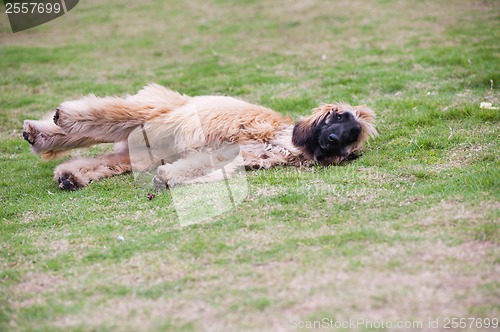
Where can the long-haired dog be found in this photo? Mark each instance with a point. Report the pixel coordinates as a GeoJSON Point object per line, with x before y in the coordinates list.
{"type": "Point", "coordinates": [192, 132]}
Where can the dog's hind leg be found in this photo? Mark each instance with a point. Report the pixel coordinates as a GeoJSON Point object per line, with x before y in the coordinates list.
{"type": "Point", "coordinates": [49, 141]}
{"type": "Point", "coordinates": [107, 118]}
{"type": "Point", "coordinates": [113, 118]}
{"type": "Point", "coordinates": [78, 173]}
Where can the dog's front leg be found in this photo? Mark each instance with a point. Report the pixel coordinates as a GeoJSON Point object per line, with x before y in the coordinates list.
{"type": "Point", "coordinates": [200, 167]}
{"type": "Point", "coordinates": [183, 171]}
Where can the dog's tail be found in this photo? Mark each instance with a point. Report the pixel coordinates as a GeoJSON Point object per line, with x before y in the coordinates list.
{"type": "Point", "coordinates": [113, 118]}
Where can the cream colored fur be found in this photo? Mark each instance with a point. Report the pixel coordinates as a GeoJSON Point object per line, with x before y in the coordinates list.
{"type": "Point", "coordinates": [189, 127]}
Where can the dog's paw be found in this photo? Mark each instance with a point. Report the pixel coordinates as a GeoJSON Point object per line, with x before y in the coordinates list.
{"type": "Point", "coordinates": [60, 118]}
{"type": "Point", "coordinates": [159, 183]}
{"type": "Point", "coordinates": [163, 177]}
{"type": "Point", "coordinates": [69, 113]}
{"type": "Point", "coordinates": [67, 181]}
{"type": "Point", "coordinates": [29, 132]}
{"type": "Point", "coordinates": [352, 156]}
{"type": "Point", "coordinates": [63, 119]}
{"type": "Point", "coordinates": [55, 118]}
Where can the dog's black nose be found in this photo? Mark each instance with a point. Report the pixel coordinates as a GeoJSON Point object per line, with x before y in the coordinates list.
{"type": "Point", "coordinates": [334, 138]}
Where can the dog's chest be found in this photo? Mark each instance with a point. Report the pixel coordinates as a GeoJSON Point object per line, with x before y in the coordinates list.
{"type": "Point", "coordinates": [282, 146]}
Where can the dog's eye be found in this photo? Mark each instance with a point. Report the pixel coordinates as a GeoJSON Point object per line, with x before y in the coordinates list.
{"type": "Point", "coordinates": [339, 116]}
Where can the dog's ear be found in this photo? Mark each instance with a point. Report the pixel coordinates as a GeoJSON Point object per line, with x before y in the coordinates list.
{"type": "Point", "coordinates": [304, 130]}
{"type": "Point", "coordinates": [365, 117]}
{"type": "Point", "coordinates": [302, 133]}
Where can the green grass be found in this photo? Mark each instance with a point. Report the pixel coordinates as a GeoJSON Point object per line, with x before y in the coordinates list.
{"type": "Point", "coordinates": [408, 231]}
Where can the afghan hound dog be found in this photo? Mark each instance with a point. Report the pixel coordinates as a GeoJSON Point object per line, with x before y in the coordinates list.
{"type": "Point", "coordinates": [180, 138]}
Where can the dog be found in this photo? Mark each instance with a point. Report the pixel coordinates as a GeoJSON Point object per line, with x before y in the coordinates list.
{"type": "Point", "coordinates": [192, 133]}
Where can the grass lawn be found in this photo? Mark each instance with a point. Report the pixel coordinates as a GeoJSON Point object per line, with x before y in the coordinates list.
{"type": "Point", "coordinates": [408, 232]}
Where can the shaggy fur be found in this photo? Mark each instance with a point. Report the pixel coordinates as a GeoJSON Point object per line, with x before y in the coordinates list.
{"type": "Point", "coordinates": [185, 135]}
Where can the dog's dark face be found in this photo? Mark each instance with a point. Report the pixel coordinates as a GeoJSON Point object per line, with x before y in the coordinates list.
{"type": "Point", "coordinates": [329, 138]}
